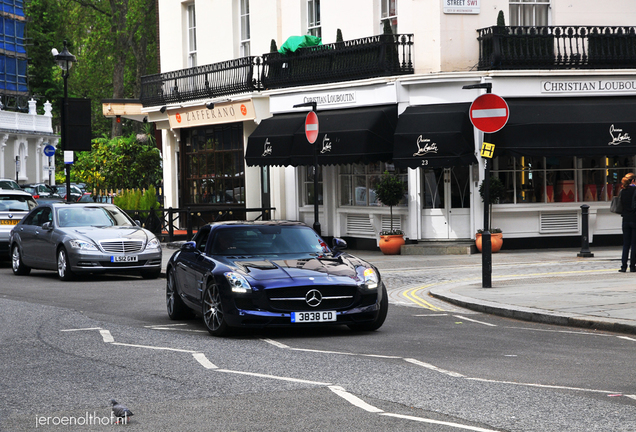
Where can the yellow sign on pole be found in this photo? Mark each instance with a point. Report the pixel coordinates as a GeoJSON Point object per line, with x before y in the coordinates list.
{"type": "Point", "coordinates": [487, 150]}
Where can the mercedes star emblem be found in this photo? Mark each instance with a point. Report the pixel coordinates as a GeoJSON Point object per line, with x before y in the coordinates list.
{"type": "Point", "coordinates": [313, 297]}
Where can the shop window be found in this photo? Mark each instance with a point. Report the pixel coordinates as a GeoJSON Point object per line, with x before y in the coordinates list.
{"type": "Point", "coordinates": [561, 179]}
{"type": "Point", "coordinates": [307, 175]}
{"type": "Point", "coordinates": [214, 166]}
{"type": "Point", "coordinates": [245, 27]}
{"type": "Point", "coordinates": [357, 183]}
{"type": "Point", "coordinates": [313, 18]}
{"type": "Point", "coordinates": [529, 12]}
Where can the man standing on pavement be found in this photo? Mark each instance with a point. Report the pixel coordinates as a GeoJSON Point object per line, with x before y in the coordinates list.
{"type": "Point", "coordinates": [628, 188]}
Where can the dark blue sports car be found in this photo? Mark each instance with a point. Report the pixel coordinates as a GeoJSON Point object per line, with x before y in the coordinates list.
{"type": "Point", "coordinates": [274, 273]}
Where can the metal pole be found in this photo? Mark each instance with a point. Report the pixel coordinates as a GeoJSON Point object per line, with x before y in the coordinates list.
{"type": "Point", "coordinates": [316, 221]}
{"type": "Point", "coordinates": [585, 239]}
{"type": "Point", "coordinates": [486, 246]}
{"type": "Point", "coordinates": [67, 167]}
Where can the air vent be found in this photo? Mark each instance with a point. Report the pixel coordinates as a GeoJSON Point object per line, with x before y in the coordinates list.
{"type": "Point", "coordinates": [360, 225]}
{"type": "Point", "coordinates": [559, 222]}
{"type": "Point", "coordinates": [386, 223]}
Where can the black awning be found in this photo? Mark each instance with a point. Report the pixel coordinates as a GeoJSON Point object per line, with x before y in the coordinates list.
{"type": "Point", "coordinates": [434, 136]}
{"type": "Point", "coordinates": [356, 135]}
{"type": "Point", "coordinates": [272, 141]}
{"type": "Point", "coordinates": [590, 126]}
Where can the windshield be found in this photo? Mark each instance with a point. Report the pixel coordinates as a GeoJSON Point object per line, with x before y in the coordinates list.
{"type": "Point", "coordinates": [267, 240]}
{"type": "Point", "coordinates": [16, 203]}
{"type": "Point", "coordinates": [92, 216]}
{"type": "Point", "coordinates": [8, 184]}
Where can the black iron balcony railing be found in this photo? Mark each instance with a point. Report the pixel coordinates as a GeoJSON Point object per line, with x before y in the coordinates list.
{"type": "Point", "coordinates": [230, 77]}
{"type": "Point", "coordinates": [370, 57]}
{"type": "Point", "coordinates": [557, 47]}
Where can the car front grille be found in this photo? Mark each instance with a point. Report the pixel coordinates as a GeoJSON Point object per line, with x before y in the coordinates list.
{"type": "Point", "coordinates": [294, 299]}
{"type": "Point", "coordinates": [122, 246]}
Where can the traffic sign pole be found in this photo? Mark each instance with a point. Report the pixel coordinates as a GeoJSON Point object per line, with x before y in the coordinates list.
{"type": "Point", "coordinates": [311, 132]}
{"type": "Point", "coordinates": [488, 113]}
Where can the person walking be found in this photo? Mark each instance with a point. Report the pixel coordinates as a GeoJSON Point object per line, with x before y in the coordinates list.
{"type": "Point", "coordinates": [628, 189]}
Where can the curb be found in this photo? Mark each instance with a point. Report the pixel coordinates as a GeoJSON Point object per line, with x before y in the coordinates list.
{"type": "Point", "coordinates": [532, 315]}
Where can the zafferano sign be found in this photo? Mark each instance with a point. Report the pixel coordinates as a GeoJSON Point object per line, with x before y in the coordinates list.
{"type": "Point", "coordinates": [221, 113]}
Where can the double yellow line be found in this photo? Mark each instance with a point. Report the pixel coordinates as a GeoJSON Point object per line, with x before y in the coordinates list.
{"type": "Point", "coordinates": [410, 294]}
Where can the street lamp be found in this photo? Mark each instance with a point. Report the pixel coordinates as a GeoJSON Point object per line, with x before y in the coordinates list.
{"type": "Point", "coordinates": [65, 61]}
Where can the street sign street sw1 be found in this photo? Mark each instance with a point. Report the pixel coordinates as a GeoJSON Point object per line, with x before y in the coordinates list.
{"type": "Point", "coordinates": [489, 113]}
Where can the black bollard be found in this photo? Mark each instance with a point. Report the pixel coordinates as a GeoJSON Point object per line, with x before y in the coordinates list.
{"type": "Point", "coordinates": [585, 228]}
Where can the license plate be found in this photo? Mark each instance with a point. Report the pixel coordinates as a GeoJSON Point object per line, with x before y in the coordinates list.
{"type": "Point", "coordinates": [313, 317]}
{"type": "Point", "coordinates": [123, 258]}
{"type": "Point", "coordinates": [9, 222]}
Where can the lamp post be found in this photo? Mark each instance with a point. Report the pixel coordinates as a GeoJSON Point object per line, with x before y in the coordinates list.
{"type": "Point", "coordinates": [65, 61]}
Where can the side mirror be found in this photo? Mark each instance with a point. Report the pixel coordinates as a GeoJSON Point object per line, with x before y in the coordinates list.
{"type": "Point", "coordinates": [138, 223]}
{"type": "Point", "coordinates": [47, 226]}
{"type": "Point", "coordinates": [338, 244]}
{"type": "Point", "coordinates": [189, 246]}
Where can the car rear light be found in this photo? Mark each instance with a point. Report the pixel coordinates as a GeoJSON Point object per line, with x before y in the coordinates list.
{"type": "Point", "coordinates": [36, 196]}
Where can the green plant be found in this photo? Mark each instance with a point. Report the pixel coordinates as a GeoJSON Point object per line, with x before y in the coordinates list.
{"type": "Point", "coordinates": [339, 36]}
{"type": "Point", "coordinates": [390, 191]}
{"type": "Point", "coordinates": [272, 46]}
{"type": "Point", "coordinates": [496, 194]}
{"type": "Point", "coordinates": [492, 231]}
{"type": "Point", "coordinates": [501, 21]}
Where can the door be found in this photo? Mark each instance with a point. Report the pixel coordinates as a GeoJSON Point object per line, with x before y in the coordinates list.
{"type": "Point", "coordinates": [446, 203]}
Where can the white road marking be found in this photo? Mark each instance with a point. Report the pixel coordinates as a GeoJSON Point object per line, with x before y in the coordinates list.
{"type": "Point", "coordinates": [475, 321]}
{"type": "Point", "coordinates": [155, 348]}
{"type": "Point", "coordinates": [431, 315]}
{"type": "Point", "coordinates": [178, 329]}
{"type": "Point", "coordinates": [275, 343]}
{"type": "Point", "coordinates": [165, 325]}
{"type": "Point", "coordinates": [540, 385]}
{"type": "Point", "coordinates": [81, 329]}
{"type": "Point", "coordinates": [626, 338]}
{"type": "Point", "coordinates": [201, 358]}
{"type": "Point", "coordinates": [354, 400]}
{"type": "Point", "coordinates": [108, 338]}
{"type": "Point", "coordinates": [260, 375]}
{"type": "Point", "coordinates": [438, 422]}
{"type": "Point", "coordinates": [434, 368]}
{"type": "Point", "coordinates": [631, 396]}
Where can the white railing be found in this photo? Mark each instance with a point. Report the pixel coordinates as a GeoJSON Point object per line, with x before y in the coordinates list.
{"type": "Point", "coordinates": [27, 122]}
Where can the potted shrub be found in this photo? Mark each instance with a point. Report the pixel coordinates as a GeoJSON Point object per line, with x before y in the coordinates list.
{"type": "Point", "coordinates": [496, 194]}
{"type": "Point", "coordinates": [389, 191]}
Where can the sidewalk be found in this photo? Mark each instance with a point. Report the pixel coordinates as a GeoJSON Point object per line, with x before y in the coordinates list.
{"type": "Point", "coordinates": [551, 286]}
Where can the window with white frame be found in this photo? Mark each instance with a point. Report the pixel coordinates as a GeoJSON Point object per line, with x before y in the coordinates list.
{"type": "Point", "coordinates": [192, 36]}
{"type": "Point", "coordinates": [307, 180]}
{"type": "Point", "coordinates": [529, 12]}
{"type": "Point", "coordinates": [245, 27]}
{"type": "Point", "coordinates": [388, 11]}
{"type": "Point", "coordinates": [358, 183]}
{"type": "Point", "coordinates": [313, 18]}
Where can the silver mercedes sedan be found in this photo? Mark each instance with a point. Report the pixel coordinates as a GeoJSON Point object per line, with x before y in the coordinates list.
{"type": "Point", "coordinates": [74, 238]}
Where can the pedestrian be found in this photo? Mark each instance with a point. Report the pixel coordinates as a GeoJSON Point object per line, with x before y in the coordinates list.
{"type": "Point", "coordinates": [628, 189]}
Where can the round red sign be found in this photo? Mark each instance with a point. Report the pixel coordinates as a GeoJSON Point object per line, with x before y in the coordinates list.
{"type": "Point", "coordinates": [311, 127]}
{"type": "Point", "coordinates": [489, 113]}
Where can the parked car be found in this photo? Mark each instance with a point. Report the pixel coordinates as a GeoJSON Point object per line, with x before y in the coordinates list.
{"type": "Point", "coordinates": [76, 238]}
{"type": "Point", "coordinates": [9, 184]}
{"type": "Point", "coordinates": [40, 190]}
{"type": "Point", "coordinates": [76, 193]}
{"type": "Point", "coordinates": [272, 273]}
{"type": "Point", "coordinates": [44, 198]}
{"type": "Point", "coordinates": [14, 205]}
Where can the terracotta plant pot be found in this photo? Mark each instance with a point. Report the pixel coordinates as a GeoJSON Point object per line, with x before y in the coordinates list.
{"type": "Point", "coordinates": [391, 244]}
{"type": "Point", "coordinates": [496, 241]}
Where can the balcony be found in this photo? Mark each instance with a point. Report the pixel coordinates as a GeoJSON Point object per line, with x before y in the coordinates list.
{"type": "Point", "coordinates": [375, 56]}
{"type": "Point", "coordinates": [557, 47]}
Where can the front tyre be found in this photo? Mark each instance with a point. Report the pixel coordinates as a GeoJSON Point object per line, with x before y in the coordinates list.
{"type": "Point", "coordinates": [377, 323]}
{"type": "Point", "coordinates": [176, 308]}
{"type": "Point", "coordinates": [17, 265]}
{"type": "Point", "coordinates": [212, 310]}
{"type": "Point", "coordinates": [64, 266]}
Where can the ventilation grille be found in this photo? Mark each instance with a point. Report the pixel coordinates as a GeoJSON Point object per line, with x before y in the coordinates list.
{"type": "Point", "coordinates": [360, 225]}
{"type": "Point", "coordinates": [559, 222]}
{"type": "Point", "coordinates": [122, 246]}
{"type": "Point", "coordinates": [386, 223]}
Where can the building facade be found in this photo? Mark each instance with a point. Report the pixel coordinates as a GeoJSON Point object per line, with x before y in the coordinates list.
{"type": "Point", "coordinates": [24, 134]}
{"type": "Point", "coordinates": [394, 100]}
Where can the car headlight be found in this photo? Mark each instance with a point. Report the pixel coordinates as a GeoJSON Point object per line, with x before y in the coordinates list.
{"type": "Point", "coordinates": [153, 244]}
{"type": "Point", "coordinates": [83, 245]}
{"type": "Point", "coordinates": [237, 282]}
{"type": "Point", "coordinates": [369, 277]}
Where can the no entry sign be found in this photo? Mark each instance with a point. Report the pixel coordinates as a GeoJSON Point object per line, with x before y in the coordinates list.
{"type": "Point", "coordinates": [311, 127]}
{"type": "Point", "coordinates": [489, 113]}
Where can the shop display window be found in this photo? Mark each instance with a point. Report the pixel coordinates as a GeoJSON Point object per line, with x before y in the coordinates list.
{"type": "Point", "coordinates": [214, 167]}
{"type": "Point", "coordinates": [561, 179]}
{"type": "Point", "coordinates": [308, 185]}
{"type": "Point", "coordinates": [358, 182]}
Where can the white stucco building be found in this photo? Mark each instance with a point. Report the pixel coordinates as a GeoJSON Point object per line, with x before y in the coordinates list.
{"type": "Point", "coordinates": [397, 103]}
